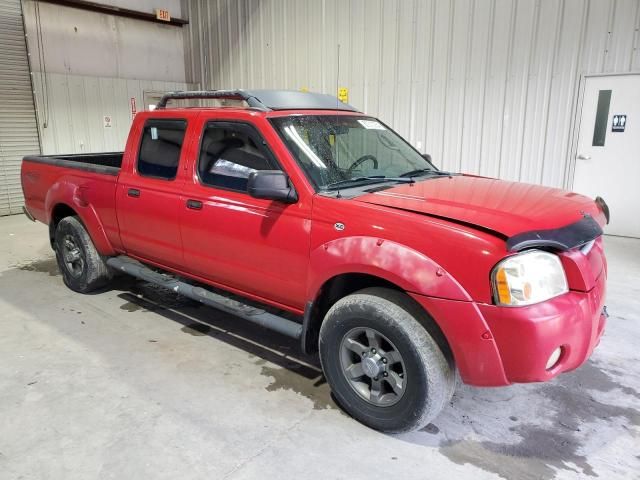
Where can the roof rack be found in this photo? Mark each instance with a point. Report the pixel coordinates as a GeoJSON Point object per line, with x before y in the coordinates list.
{"type": "Point", "coordinates": [265, 100]}
{"type": "Point", "coordinates": [215, 94]}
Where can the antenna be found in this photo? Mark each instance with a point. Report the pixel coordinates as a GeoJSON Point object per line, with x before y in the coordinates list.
{"type": "Point", "coordinates": [335, 135]}
{"type": "Point", "coordinates": [338, 79]}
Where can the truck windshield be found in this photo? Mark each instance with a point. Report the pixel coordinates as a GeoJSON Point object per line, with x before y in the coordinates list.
{"type": "Point", "coordinates": [340, 150]}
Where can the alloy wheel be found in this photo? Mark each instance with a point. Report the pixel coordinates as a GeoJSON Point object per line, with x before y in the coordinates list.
{"type": "Point", "coordinates": [373, 366]}
{"type": "Point", "coordinates": [72, 256]}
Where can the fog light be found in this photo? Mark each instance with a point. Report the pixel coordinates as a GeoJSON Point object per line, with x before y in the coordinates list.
{"type": "Point", "coordinates": [553, 359]}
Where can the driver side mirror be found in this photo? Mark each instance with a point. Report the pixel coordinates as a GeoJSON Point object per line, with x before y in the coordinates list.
{"type": "Point", "coordinates": [271, 185]}
{"type": "Point", "coordinates": [427, 157]}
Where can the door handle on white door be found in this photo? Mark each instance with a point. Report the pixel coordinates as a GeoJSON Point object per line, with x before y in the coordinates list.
{"type": "Point", "coordinates": [582, 156]}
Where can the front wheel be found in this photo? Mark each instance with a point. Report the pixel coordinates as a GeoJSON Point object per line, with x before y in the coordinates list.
{"type": "Point", "coordinates": [383, 366]}
{"type": "Point", "coordinates": [83, 268]}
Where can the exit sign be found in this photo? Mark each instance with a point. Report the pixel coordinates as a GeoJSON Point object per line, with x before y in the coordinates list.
{"type": "Point", "coordinates": [162, 14]}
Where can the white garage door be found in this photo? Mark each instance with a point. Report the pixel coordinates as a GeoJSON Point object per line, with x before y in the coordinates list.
{"type": "Point", "coordinates": [18, 128]}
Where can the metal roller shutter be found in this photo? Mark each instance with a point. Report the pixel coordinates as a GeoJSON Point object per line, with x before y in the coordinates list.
{"type": "Point", "coordinates": [18, 127]}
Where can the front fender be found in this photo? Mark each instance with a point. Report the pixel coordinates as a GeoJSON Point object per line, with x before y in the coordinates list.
{"type": "Point", "coordinates": [75, 197]}
{"type": "Point", "coordinates": [474, 349]}
{"type": "Point", "coordinates": [407, 268]}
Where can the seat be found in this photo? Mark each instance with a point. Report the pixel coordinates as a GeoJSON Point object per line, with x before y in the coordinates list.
{"type": "Point", "coordinates": [227, 161]}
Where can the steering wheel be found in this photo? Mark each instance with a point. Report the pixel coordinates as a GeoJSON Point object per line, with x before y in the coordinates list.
{"type": "Point", "coordinates": [361, 160]}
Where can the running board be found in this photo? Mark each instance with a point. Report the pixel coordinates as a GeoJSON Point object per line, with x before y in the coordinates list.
{"type": "Point", "coordinates": [220, 302]}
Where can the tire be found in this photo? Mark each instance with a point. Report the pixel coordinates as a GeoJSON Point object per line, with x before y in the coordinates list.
{"type": "Point", "coordinates": [424, 378]}
{"type": "Point", "coordinates": [83, 268]}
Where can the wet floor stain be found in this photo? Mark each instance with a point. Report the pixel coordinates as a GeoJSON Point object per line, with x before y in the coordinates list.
{"type": "Point", "coordinates": [594, 377]}
{"type": "Point", "coordinates": [315, 389]}
{"type": "Point", "coordinates": [46, 265]}
{"type": "Point", "coordinates": [134, 307]}
{"type": "Point", "coordinates": [544, 449]}
{"type": "Point", "coordinates": [432, 429]}
{"type": "Point", "coordinates": [508, 464]}
{"type": "Point", "coordinates": [196, 329]}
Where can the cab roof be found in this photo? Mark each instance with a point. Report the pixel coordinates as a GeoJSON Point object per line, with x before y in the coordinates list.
{"type": "Point", "coordinates": [264, 100]}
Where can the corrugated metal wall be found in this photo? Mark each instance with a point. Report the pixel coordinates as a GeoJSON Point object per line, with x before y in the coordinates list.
{"type": "Point", "coordinates": [18, 127]}
{"type": "Point", "coordinates": [78, 105]}
{"type": "Point", "coordinates": [485, 86]}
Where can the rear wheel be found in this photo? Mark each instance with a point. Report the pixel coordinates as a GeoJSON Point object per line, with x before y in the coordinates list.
{"type": "Point", "coordinates": [83, 268]}
{"type": "Point", "coordinates": [383, 366]}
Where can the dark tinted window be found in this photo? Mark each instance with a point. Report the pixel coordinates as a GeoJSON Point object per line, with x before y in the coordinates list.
{"type": "Point", "coordinates": [602, 114]}
{"type": "Point", "coordinates": [160, 148]}
{"type": "Point", "coordinates": [229, 153]}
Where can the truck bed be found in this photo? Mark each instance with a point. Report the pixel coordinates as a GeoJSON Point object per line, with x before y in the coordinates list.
{"type": "Point", "coordinates": [80, 180]}
{"type": "Point", "coordinates": [106, 163]}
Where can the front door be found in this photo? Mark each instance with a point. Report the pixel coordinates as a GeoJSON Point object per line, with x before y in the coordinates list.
{"type": "Point", "coordinates": [255, 246]}
{"type": "Point", "coordinates": [608, 153]}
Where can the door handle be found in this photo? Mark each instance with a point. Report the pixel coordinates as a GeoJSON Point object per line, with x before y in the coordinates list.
{"type": "Point", "coordinates": [133, 192]}
{"type": "Point", "coordinates": [582, 156]}
{"type": "Point", "coordinates": [194, 204]}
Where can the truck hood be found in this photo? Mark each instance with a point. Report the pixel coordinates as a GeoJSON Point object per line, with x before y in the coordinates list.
{"type": "Point", "coordinates": [505, 208]}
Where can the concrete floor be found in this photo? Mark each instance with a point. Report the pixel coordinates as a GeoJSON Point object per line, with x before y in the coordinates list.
{"type": "Point", "coordinates": [137, 383]}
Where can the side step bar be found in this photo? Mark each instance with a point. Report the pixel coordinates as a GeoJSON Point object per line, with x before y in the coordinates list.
{"type": "Point", "coordinates": [256, 315]}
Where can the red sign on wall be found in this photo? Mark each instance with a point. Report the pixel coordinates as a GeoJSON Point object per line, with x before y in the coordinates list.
{"type": "Point", "coordinates": [162, 14]}
{"type": "Point", "coordinates": [133, 107]}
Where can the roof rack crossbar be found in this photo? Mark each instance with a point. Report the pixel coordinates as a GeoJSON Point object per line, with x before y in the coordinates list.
{"type": "Point", "coordinates": [251, 100]}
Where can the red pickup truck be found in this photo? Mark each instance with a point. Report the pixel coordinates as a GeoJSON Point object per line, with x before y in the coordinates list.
{"type": "Point", "coordinates": [398, 273]}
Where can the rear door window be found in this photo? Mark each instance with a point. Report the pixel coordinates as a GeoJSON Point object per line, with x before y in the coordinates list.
{"type": "Point", "coordinates": [160, 148]}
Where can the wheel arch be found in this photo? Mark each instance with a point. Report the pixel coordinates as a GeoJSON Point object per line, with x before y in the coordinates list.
{"type": "Point", "coordinates": [347, 264]}
{"type": "Point", "coordinates": [58, 212]}
{"type": "Point", "coordinates": [344, 284]}
{"type": "Point", "coordinates": [89, 219]}
{"type": "Point", "coordinates": [395, 263]}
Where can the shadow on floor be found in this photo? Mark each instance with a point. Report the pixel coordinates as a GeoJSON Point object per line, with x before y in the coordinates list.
{"type": "Point", "coordinates": [294, 371]}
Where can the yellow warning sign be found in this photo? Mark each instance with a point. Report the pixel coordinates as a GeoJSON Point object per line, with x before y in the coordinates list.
{"type": "Point", "coordinates": [343, 94]}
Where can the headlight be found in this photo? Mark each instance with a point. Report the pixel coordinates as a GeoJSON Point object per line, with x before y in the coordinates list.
{"type": "Point", "coordinates": [530, 277]}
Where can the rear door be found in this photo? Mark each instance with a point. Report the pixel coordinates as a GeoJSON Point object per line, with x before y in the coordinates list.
{"type": "Point", "coordinates": [259, 247]}
{"type": "Point", "coordinates": [149, 194]}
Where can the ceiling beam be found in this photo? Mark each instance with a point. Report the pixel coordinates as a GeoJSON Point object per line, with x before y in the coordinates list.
{"type": "Point", "coordinates": [118, 11]}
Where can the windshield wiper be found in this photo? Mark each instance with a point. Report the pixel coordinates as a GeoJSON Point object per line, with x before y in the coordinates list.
{"type": "Point", "coordinates": [370, 179]}
{"type": "Point", "coordinates": [425, 171]}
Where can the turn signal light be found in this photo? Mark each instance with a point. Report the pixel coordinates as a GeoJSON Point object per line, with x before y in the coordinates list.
{"type": "Point", "coordinates": [504, 295]}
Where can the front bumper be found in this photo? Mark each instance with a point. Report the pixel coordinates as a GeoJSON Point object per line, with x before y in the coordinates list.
{"type": "Point", "coordinates": [495, 345]}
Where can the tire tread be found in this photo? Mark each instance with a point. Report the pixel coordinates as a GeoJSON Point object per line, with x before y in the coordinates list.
{"type": "Point", "coordinates": [97, 272]}
{"type": "Point", "coordinates": [402, 312]}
